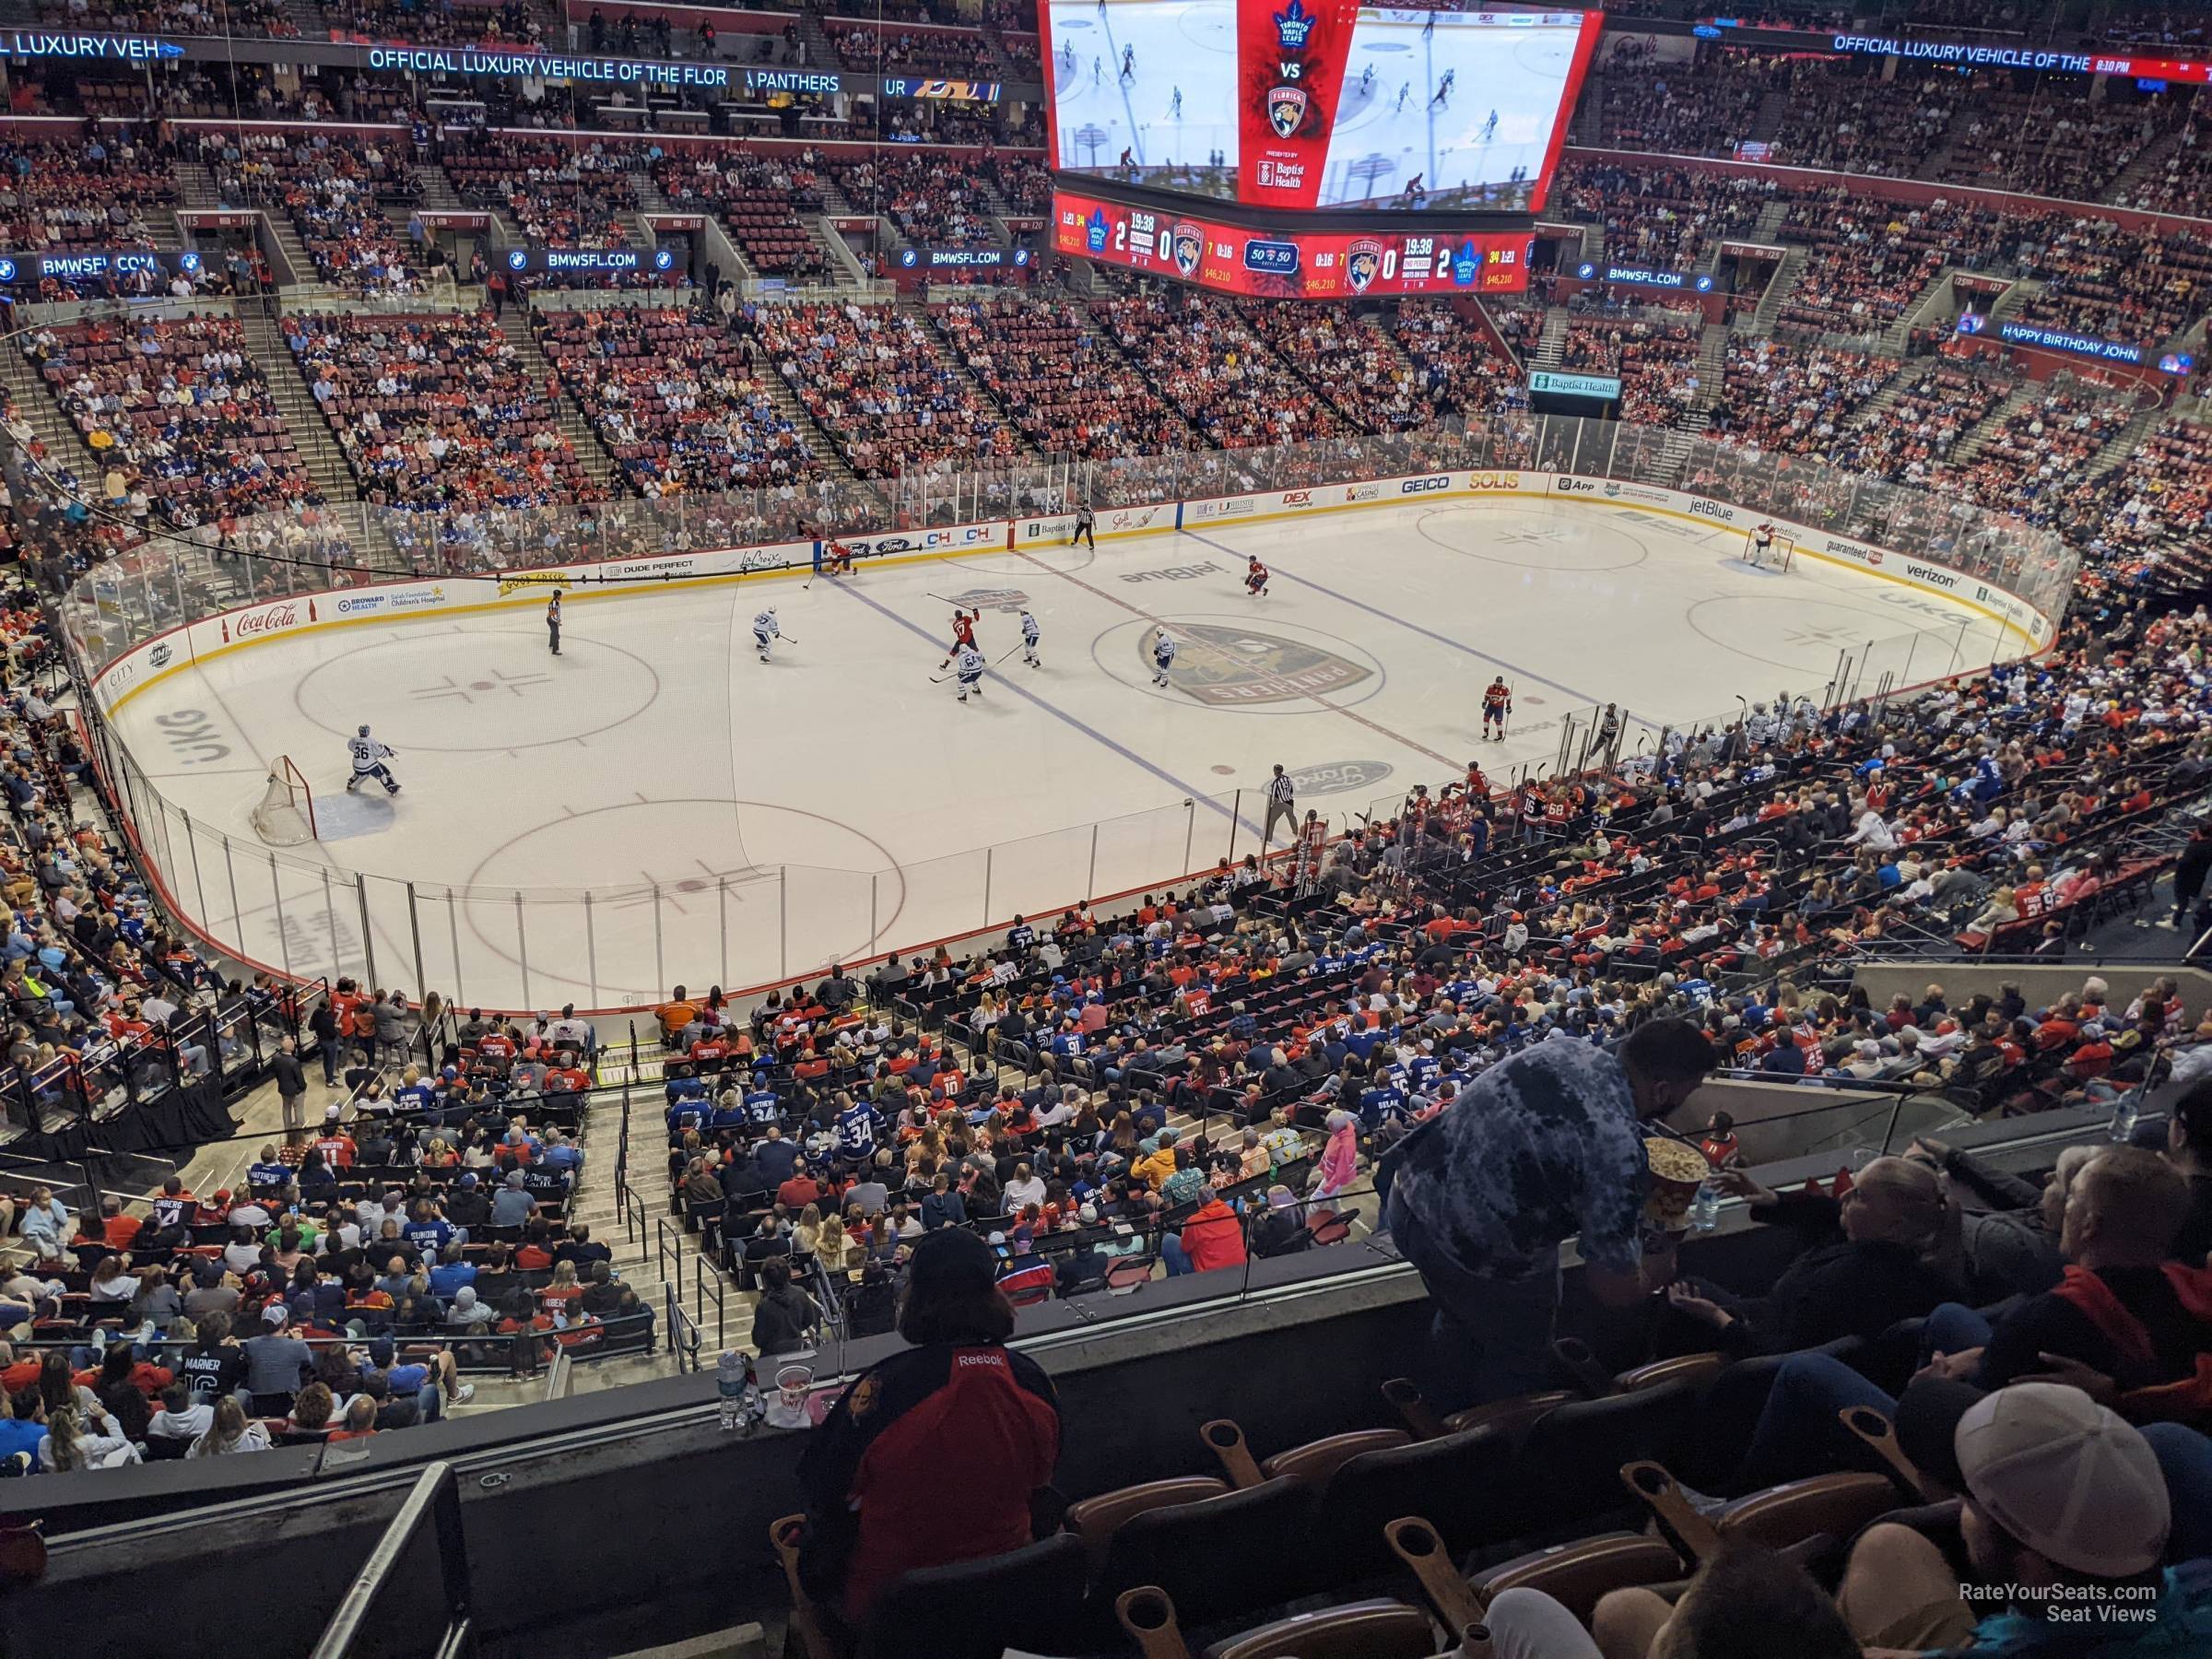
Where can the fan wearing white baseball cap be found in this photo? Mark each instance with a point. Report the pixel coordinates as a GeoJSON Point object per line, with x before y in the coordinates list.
{"type": "Point", "coordinates": [2065, 1524]}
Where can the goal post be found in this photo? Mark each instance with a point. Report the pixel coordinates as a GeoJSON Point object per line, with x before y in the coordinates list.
{"type": "Point", "coordinates": [1780, 548]}
{"type": "Point", "coordinates": [286, 815]}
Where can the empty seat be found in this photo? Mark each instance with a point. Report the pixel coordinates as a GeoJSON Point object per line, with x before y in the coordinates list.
{"type": "Point", "coordinates": [1573, 1455]}
{"type": "Point", "coordinates": [1465, 1486]}
{"type": "Point", "coordinates": [1366, 1629]}
{"type": "Point", "coordinates": [1030, 1598]}
{"type": "Point", "coordinates": [1096, 1520]}
{"type": "Point", "coordinates": [1218, 1557]}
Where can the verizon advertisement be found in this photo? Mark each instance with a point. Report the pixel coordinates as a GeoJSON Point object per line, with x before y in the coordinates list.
{"type": "Point", "coordinates": [1288, 264]}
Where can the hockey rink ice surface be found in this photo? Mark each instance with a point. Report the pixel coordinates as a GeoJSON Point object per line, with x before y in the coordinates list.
{"type": "Point", "coordinates": [738, 821]}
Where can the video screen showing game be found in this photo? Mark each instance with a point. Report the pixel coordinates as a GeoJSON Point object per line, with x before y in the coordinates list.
{"type": "Point", "coordinates": [1313, 104]}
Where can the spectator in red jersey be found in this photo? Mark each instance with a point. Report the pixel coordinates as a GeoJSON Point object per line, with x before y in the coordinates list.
{"type": "Point", "coordinates": [875, 1471]}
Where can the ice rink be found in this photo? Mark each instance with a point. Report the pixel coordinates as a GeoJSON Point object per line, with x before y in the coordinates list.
{"type": "Point", "coordinates": [735, 822]}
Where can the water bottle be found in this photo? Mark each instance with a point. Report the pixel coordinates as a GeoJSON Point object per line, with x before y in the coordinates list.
{"type": "Point", "coordinates": [2124, 1120]}
{"type": "Point", "coordinates": [732, 1377]}
{"type": "Point", "coordinates": [1705, 1208]}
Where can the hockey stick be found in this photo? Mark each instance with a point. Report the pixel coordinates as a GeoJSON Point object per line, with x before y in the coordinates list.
{"type": "Point", "coordinates": [1003, 655]}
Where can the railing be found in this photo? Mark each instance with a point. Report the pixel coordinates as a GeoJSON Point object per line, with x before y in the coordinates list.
{"type": "Point", "coordinates": [621, 946]}
{"type": "Point", "coordinates": [435, 1500]}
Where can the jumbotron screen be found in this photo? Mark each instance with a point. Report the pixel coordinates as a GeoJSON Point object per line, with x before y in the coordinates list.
{"type": "Point", "coordinates": [1305, 263]}
{"type": "Point", "coordinates": [1309, 104]}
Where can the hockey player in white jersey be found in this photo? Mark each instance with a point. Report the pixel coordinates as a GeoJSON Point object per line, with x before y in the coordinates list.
{"type": "Point", "coordinates": [369, 758]}
{"type": "Point", "coordinates": [764, 631]}
{"type": "Point", "coordinates": [1030, 633]}
{"type": "Point", "coordinates": [971, 671]}
{"type": "Point", "coordinates": [1163, 654]}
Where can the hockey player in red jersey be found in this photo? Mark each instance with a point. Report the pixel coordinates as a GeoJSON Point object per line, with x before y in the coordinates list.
{"type": "Point", "coordinates": [1255, 580]}
{"type": "Point", "coordinates": [1497, 704]}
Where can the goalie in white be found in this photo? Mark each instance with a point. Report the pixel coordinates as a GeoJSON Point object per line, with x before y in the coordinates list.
{"type": "Point", "coordinates": [369, 758]}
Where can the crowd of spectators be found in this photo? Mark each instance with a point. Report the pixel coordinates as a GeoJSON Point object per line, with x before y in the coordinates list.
{"type": "Point", "coordinates": [1206, 363]}
{"type": "Point", "coordinates": [2038, 457]}
{"type": "Point", "coordinates": [1459, 368]}
{"type": "Point", "coordinates": [676, 397]}
{"type": "Point", "coordinates": [1868, 261]}
{"type": "Point", "coordinates": [1778, 397]}
{"type": "Point", "coordinates": [1373, 386]}
{"type": "Point", "coordinates": [1656, 353]}
{"type": "Point", "coordinates": [1932, 406]}
{"type": "Point", "coordinates": [342, 1286]}
{"type": "Point", "coordinates": [1693, 110]}
{"type": "Point", "coordinates": [562, 195]}
{"type": "Point", "coordinates": [1668, 216]}
{"type": "Point", "coordinates": [2182, 182]}
{"type": "Point", "coordinates": [2101, 279]}
{"type": "Point", "coordinates": [178, 416]}
{"type": "Point", "coordinates": [1847, 117]}
{"type": "Point", "coordinates": [98, 192]}
{"type": "Point", "coordinates": [874, 382]}
{"type": "Point", "coordinates": [961, 52]}
{"type": "Point", "coordinates": [330, 185]}
{"type": "Point", "coordinates": [1024, 181]}
{"type": "Point", "coordinates": [1051, 367]}
{"type": "Point", "coordinates": [2054, 141]}
{"type": "Point", "coordinates": [2158, 500]}
{"type": "Point", "coordinates": [759, 197]}
{"type": "Point", "coordinates": [172, 17]}
{"type": "Point", "coordinates": [437, 412]}
{"type": "Point", "coordinates": [452, 23]}
{"type": "Point", "coordinates": [936, 199]}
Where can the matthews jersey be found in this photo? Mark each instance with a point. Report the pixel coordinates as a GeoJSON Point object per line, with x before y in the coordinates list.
{"type": "Point", "coordinates": [367, 753]}
{"type": "Point", "coordinates": [856, 1126]}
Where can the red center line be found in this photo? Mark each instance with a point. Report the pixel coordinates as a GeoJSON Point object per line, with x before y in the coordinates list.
{"type": "Point", "coordinates": [1271, 679]}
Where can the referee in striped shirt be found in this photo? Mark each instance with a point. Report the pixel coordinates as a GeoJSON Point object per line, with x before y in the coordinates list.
{"type": "Point", "coordinates": [1282, 804]}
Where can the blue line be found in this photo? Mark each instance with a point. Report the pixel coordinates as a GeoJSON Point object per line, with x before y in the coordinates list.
{"type": "Point", "coordinates": [1526, 673]}
{"type": "Point", "coordinates": [1192, 789]}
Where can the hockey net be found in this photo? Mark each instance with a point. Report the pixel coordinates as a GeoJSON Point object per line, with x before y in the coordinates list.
{"type": "Point", "coordinates": [286, 817]}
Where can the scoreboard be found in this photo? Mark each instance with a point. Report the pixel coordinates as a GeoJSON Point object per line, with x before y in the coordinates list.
{"type": "Point", "coordinates": [1304, 263]}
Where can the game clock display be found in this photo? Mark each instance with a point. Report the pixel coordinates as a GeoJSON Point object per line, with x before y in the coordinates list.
{"type": "Point", "coordinates": [1288, 264]}
{"type": "Point", "coordinates": [1315, 104]}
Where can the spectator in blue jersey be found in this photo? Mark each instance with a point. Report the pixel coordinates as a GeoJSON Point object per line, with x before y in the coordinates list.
{"type": "Point", "coordinates": [858, 1124]}
{"type": "Point", "coordinates": [1021, 935]}
{"type": "Point", "coordinates": [1023, 1275]}
{"type": "Point", "coordinates": [1543, 1147]}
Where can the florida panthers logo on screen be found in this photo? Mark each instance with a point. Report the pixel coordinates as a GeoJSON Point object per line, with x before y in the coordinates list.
{"type": "Point", "coordinates": [1363, 260]}
{"type": "Point", "coordinates": [1286, 109]}
{"type": "Point", "coordinates": [1187, 244]}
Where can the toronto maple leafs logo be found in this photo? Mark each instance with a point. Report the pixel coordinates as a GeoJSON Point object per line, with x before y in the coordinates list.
{"type": "Point", "coordinates": [1293, 24]}
{"type": "Point", "coordinates": [1094, 230]}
